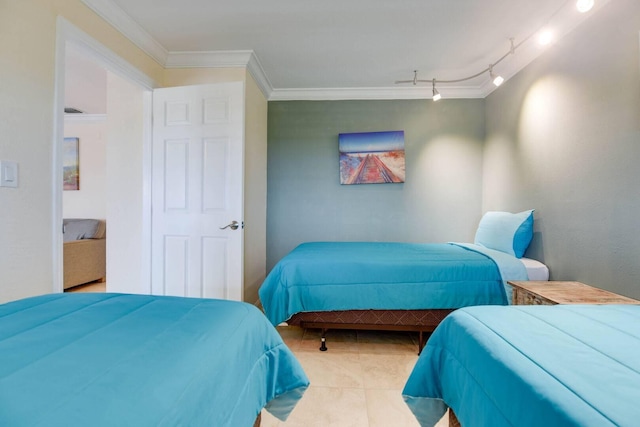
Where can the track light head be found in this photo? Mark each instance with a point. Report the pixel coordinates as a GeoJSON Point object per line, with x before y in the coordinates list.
{"type": "Point", "coordinates": [497, 80]}
{"type": "Point", "coordinates": [436, 94]}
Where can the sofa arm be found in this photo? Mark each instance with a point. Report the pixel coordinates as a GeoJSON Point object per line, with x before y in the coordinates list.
{"type": "Point", "coordinates": [84, 261]}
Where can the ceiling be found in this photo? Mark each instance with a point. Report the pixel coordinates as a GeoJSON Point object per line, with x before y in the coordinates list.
{"type": "Point", "coordinates": [350, 48]}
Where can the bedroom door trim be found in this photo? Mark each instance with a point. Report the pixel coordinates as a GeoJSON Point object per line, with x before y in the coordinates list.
{"type": "Point", "coordinates": [68, 34]}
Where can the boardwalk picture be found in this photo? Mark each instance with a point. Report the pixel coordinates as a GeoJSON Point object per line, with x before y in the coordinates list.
{"type": "Point", "coordinates": [371, 157]}
{"type": "Point", "coordinates": [70, 164]}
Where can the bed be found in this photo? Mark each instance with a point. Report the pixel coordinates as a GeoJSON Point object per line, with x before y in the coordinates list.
{"type": "Point", "coordinates": [137, 360]}
{"type": "Point", "coordinates": [561, 365]}
{"type": "Point", "coordinates": [399, 286]}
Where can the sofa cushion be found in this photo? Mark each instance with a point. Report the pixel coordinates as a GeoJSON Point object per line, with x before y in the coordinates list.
{"type": "Point", "coordinates": [79, 228]}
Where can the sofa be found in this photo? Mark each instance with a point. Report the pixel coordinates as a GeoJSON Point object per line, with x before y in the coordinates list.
{"type": "Point", "coordinates": [84, 252]}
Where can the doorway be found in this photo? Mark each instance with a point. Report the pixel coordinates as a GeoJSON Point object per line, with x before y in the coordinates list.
{"type": "Point", "coordinates": [84, 165]}
{"type": "Point", "coordinates": [127, 124]}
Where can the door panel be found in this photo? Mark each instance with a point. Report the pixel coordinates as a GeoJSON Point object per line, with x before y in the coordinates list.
{"type": "Point", "coordinates": [197, 190]}
{"type": "Point", "coordinates": [176, 175]}
{"type": "Point", "coordinates": [176, 249]}
{"type": "Point", "coordinates": [214, 169]}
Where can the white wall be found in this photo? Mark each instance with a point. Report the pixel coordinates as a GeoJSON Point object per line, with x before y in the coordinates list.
{"type": "Point", "coordinates": [563, 137]}
{"type": "Point", "coordinates": [124, 189]}
{"type": "Point", "coordinates": [90, 200]}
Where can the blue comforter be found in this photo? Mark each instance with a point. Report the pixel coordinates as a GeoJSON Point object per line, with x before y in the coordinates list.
{"type": "Point", "coordinates": [136, 360]}
{"type": "Point", "coordinates": [532, 366]}
{"type": "Point", "coordinates": [325, 276]}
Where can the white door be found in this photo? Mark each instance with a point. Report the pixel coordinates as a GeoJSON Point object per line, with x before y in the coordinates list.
{"type": "Point", "coordinates": [197, 190]}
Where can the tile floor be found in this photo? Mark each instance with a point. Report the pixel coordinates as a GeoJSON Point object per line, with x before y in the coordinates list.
{"type": "Point", "coordinates": [358, 382]}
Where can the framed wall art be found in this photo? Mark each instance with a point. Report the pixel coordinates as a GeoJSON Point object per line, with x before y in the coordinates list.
{"type": "Point", "coordinates": [70, 159]}
{"type": "Point", "coordinates": [372, 157]}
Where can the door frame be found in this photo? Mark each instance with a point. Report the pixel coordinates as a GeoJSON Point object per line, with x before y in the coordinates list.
{"type": "Point", "coordinates": [68, 34]}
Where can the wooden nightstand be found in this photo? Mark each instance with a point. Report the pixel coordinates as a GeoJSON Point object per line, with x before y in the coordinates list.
{"type": "Point", "coordinates": [553, 292]}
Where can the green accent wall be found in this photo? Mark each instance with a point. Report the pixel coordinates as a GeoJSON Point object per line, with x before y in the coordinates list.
{"type": "Point", "coordinates": [439, 201]}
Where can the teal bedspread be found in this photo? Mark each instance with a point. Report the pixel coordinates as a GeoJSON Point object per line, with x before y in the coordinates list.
{"type": "Point", "coordinates": [523, 366]}
{"type": "Point", "coordinates": [139, 360]}
{"type": "Point", "coordinates": [325, 276]}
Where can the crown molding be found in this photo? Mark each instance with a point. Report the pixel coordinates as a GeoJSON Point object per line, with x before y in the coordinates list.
{"type": "Point", "coordinates": [374, 93]}
{"type": "Point", "coordinates": [208, 59]}
{"type": "Point", "coordinates": [121, 21]}
{"type": "Point", "coordinates": [246, 59]}
{"type": "Point", "coordinates": [257, 72]}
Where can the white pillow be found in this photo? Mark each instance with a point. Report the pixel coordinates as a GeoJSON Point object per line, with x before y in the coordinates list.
{"type": "Point", "coordinates": [506, 232]}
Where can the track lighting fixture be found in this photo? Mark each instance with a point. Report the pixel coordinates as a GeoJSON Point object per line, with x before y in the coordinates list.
{"type": "Point", "coordinates": [436, 94]}
{"type": "Point", "coordinates": [497, 80]}
{"type": "Point", "coordinates": [545, 37]}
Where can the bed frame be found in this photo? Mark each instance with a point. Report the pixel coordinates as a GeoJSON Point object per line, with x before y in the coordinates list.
{"type": "Point", "coordinates": [453, 419]}
{"type": "Point", "coordinates": [382, 320]}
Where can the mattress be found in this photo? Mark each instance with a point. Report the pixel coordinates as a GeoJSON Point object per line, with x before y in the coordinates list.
{"type": "Point", "coordinates": [137, 360]}
{"type": "Point", "coordinates": [535, 269]}
{"type": "Point", "coordinates": [329, 276]}
{"type": "Point", "coordinates": [571, 365]}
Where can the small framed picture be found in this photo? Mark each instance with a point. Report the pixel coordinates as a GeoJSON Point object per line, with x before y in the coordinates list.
{"type": "Point", "coordinates": [71, 158]}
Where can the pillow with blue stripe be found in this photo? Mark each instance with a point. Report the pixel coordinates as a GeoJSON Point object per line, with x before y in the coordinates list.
{"type": "Point", "coordinates": [506, 232]}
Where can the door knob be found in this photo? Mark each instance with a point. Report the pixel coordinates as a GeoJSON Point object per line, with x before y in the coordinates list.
{"type": "Point", "coordinates": [234, 225]}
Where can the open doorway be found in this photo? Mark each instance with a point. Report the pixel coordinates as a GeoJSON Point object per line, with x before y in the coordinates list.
{"type": "Point", "coordinates": [125, 139]}
{"type": "Point", "coordinates": [84, 203]}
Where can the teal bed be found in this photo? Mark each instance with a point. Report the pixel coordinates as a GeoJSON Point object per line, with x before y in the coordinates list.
{"type": "Point", "coordinates": [529, 366]}
{"type": "Point", "coordinates": [397, 285]}
{"type": "Point", "coordinates": [139, 360]}
{"type": "Point", "coordinates": [384, 286]}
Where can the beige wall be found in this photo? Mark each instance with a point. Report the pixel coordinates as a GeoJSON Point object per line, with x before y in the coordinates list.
{"type": "Point", "coordinates": [124, 189]}
{"type": "Point", "coordinates": [255, 191]}
{"type": "Point", "coordinates": [196, 76]}
{"type": "Point", "coordinates": [27, 72]}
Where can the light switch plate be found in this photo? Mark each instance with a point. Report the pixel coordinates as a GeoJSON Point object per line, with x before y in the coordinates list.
{"type": "Point", "coordinates": [8, 173]}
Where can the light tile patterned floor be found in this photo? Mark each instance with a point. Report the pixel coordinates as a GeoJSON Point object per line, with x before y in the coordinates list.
{"type": "Point", "coordinates": [358, 382]}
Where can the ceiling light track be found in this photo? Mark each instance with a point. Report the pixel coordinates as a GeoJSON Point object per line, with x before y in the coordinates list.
{"type": "Point", "coordinates": [581, 5]}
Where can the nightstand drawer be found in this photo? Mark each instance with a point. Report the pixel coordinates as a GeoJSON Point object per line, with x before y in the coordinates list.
{"type": "Point", "coordinates": [556, 292]}
{"type": "Point", "coordinates": [521, 297]}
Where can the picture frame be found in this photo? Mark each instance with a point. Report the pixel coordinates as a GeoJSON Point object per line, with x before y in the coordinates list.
{"type": "Point", "coordinates": [372, 157]}
{"type": "Point", "coordinates": [71, 164]}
